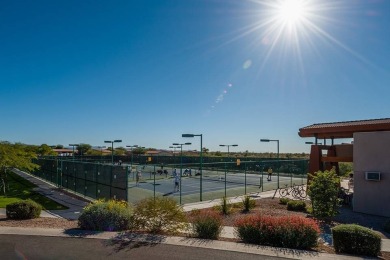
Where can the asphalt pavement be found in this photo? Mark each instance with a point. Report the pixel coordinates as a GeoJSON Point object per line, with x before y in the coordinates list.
{"type": "Point", "coordinates": [19, 243]}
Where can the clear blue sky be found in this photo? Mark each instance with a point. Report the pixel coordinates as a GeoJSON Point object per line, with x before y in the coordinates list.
{"type": "Point", "coordinates": [148, 71]}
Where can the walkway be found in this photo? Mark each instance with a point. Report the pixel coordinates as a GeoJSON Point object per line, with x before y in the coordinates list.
{"type": "Point", "coordinates": [75, 205]}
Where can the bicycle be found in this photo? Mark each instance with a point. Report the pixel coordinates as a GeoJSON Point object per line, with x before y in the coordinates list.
{"type": "Point", "coordinates": [283, 192]}
{"type": "Point", "coordinates": [297, 191]}
{"type": "Point", "coordinates": [300, 191]}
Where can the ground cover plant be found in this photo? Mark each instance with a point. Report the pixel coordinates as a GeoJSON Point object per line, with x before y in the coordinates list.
{"type": "Point", "coordinates": [22, 189]}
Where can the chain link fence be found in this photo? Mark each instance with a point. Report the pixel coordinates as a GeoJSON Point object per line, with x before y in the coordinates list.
{"type": "Point", "coordinates": [133, 179]}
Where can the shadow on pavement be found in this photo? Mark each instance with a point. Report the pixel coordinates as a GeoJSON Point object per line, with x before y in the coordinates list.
{"type": "Point", "coordinates": [75, 232]}
{"type": "Point", "coordinates": [128, 241]}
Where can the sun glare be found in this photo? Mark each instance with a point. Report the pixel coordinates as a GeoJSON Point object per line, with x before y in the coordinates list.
{"type": "Point", "coordinates": [291, 11]}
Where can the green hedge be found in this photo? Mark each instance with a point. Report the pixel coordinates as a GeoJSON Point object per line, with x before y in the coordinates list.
{"type": "Point", "coordinates": [355, 239]}
{"type": "Point", "coordinates": [25, 209]}
{"type": "Point", "coordinates": [296, 205]}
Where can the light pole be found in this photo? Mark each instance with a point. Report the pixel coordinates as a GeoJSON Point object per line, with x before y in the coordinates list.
{"type": "Point", "coordinates": [101, 149]}
{"type": "Point", "coordinates": [131, 150]}
{"type": "Point", "coordinates": [181, 162]}
{"type": "Point", "coordinates": [228, 146]}
{"type": "Point", "coordinates": [112, 148]}
{"type": "Point", "coordinates": [201, 158]}
{"type": "Point", "coordinates": [174, 152]}
{"type": "Point", "coordinates": [277, 141]}
{"type": "Point", "coordinates": [73, 148]}
{"type": "Point", "coordinates": [313, 143]}
{"type": "Point", "coordinates": [228, 158]}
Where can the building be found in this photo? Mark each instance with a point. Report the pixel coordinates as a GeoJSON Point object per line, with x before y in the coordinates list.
{"type": "Point", "coordinates": [369, 152]}
{"type": "Point", "coordinates": [64, 152]}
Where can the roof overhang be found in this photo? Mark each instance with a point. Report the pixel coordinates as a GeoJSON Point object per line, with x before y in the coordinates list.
{"type": "Point", "coordinates": [344, 129]}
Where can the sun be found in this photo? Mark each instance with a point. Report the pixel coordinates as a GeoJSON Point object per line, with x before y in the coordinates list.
{"type": "Point", "coordinates": [291, 12]}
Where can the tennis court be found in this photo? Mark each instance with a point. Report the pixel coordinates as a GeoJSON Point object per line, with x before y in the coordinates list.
{"type": "Point", "coordinates": [215, 183]}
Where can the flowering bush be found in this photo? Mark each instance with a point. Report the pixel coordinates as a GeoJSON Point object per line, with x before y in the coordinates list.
{"type": "Point", "coordinates": [286, 231]}
{"type": "Point", "coordinates": [206, 224]}
{"type": "Point", "coordinates": [112, 215]}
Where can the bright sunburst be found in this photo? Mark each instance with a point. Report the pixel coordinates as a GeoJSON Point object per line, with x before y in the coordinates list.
{"type": "Point", "coordinates": [294, 25]}
{"type": "Point", "coordinates": [291, 12]}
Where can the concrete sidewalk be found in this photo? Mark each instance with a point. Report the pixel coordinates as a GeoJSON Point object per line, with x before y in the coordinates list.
{"type": "Point", "coordinates": [75, 206]}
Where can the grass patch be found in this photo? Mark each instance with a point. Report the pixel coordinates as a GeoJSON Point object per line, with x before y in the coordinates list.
{"type": "Point", "coordinates": [22, 189]}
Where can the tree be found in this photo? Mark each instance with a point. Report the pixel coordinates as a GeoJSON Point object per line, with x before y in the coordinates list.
{"type": "Point", "coordinates": [83, 148]}
{"type": "Point", "coordinates": [218, 153]}
{"type": "Point", "coordinates": [120, 151]}
{"type": "Point", "coordinates": [14, 156]}
{"type": "Point", "coordinates": [139, 150]}
{"type": "Point", "coordinates": [323, 192]}
{"type": "Point", "coordinates": [45, 150]}
{"type": "Point", "coordinates": [59, 146]}
{"type": "Point", "coordinates": [205, 150]}
{"type": "Point", "coordinates": [345, 168]}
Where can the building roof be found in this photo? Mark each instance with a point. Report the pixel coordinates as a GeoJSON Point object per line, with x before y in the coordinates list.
{"type": "Point", "coordinates": [344, 129]}
{"type": "Point", "coordinates": [155, 152]}
{"type": "Point", "coordinates": [63, 150]}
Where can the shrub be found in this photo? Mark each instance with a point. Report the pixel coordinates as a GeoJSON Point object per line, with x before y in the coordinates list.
{"type": "Point", "coordinates": [248, 203]}
{"type": "Point", "coordinates": [284, 201]}
{"type": "Point", "coordinates": [225, 206]}
{"type": "Point", "coordinates": [206, 224]}
{"type": "Point", "coordinates": [296, 205]}
{"type": "Point", "coordinates": [25, 209]}
{"type": "Point", "coordinates": [286, 231]}
{"type": "Point", "coordinates": [386, 226]}
{"type": "Point", "coordinates": [355, 239]}
{"type": "Point", "coordinates": [323, 192]}
{"type": "Point", "coordinates": [104, 215]}
{"type": "Point", "coordinates": [160, 214]}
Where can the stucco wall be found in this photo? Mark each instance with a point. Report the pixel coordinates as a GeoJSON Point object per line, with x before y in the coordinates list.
{"type": "Point", "coordinates": [371, 152]}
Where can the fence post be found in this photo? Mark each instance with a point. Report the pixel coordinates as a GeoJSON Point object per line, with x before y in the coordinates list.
{"type": "Point", "coordinates": [225, 179]}
{"type": "Point", "coordinates": [127, 184]}
{"type": "Point", "coordinates": [246, 167]}
{"type": "Point", "coordinates": [85, 180]}
{"type": "Point", "coordinates": [154, 183]}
